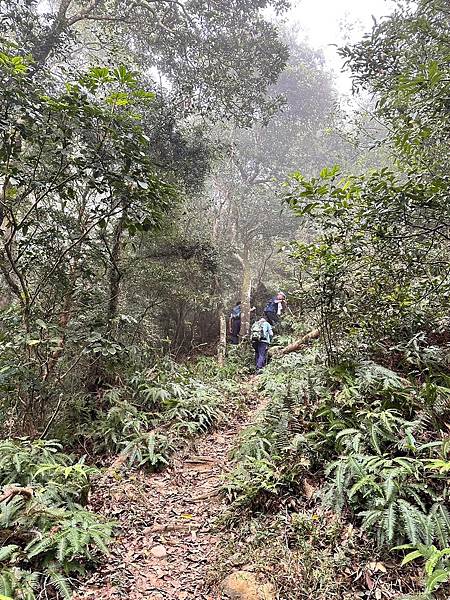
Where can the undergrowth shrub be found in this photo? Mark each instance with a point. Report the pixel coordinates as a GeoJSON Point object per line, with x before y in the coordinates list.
{"type": "Point", "coordinates": [148, 449]}
{"type": "Point", "coordinates": [372, 442]}
{"type": "Point", "coordinates": [149, 415]}
{"type": "Point", "coordinates": [362, 432]}
{"type": "Point", "coordinates": [47, 537]}
{"type": "Point", "coordinates": [239, 363]}
{"type": "Point", "coordinates": [306, 554]}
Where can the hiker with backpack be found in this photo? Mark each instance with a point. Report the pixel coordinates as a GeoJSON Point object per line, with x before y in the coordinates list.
{"type": "Point", "coordinates": [261, 335]}
{"type": "Point", "coordinates": [234, 323]}
{"type": "Point", "coordinates": [275, 307]}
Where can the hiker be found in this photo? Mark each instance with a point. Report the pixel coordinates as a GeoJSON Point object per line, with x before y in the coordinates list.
{"type": "Point", "coordinates": [261, 335]}
{"type": "Point", "coordinates": [275, 307]}
{"type": "Point", "coordinates": [234, 323]}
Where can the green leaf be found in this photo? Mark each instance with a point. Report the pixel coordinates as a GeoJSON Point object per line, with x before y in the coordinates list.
{"type": "Point", "coordinates": [118, 99]}
{"type": "Point", "coordinates": [61, 584]}
{"type": "Point", "coordinates": [124, 76]}
{"type": "Point", "coordinates": [434, 559]}
{"type": "Point", "coordinates": [390, 521]}
{"type": "Point", "coordinates": [438, 577]}
{"type": "Point", "coordinates": [363, 482]}
{"type": "Point", "coordinates": [7, 551]}
{"type": "Point", "coordinates": [411, 556]}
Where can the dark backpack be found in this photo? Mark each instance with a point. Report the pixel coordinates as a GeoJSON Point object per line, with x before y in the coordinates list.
{"type": "Point", "coordinates": [257, 331]}
{"type": "Point", "coordinates": [271, 306]}
{"type": "Point", "coordinates": [236, 312]}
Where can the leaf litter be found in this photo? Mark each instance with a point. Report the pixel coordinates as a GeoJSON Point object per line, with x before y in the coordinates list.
{"type": "Point", "coordinates": [165, 524]}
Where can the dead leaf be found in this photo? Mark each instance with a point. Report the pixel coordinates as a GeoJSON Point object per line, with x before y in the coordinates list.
{"type": "Point", "coordinates": [308, 489]}
{"type": "Point", "coordinates": [369, 581]}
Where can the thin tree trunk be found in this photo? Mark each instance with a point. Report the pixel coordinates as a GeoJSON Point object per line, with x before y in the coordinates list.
{"type": "Point", "coordinates": [246, 288]}
{"type": "Point", "coordinates": [64, 320]}
{"type": "Point", "coordinates": [221, 349]}
{"type": "Point", "coordinates": [115, 274]}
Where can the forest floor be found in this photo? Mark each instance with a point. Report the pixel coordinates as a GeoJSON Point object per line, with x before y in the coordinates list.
{"type": "Point", "coordinates": [168, 538]}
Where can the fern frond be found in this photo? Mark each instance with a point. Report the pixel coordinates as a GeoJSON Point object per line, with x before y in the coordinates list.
{"type": "Point", "coordinates": [390, 521]}
{"type": "Point", "coordinates": [411, 519]}
{"type": "Point", "coordinates": [7, 551]}
{"type": "Point", "coordinates": [38, 546]}
{"type": "Point", "coordinates": [370, 518]}
{"type": "Point", "coordinates": [440, 517]}
{"type": "Point", "coordinates": [60, 583]}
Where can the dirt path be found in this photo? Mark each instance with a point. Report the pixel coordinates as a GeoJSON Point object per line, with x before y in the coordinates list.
{"type": "Point", "coordinates": [166, 543]}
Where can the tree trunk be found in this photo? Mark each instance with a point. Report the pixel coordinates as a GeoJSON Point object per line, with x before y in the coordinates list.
{"type": "Point", "coordinates": [246, 288]}
{"type": "Point", "coordinates": [64, 320]}
{"type": "Point", "coordinates": [299, 344]}
{"type": "Point", "coordinates": [221, 349]}
{"type": "Point", "coordinates": [115, 274]}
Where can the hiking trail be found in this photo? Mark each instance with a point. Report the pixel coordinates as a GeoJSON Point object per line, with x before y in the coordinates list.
{"type": "Point", "coordinates": [166, 537]}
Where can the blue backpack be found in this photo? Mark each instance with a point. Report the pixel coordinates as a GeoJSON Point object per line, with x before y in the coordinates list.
{"type": "Point", "coordinates": [271, 306]}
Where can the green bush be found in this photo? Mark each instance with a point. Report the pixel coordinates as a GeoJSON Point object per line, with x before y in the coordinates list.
{"type": "Point", "coordinates": [47, 535]}
{"type": "Point", "coordinates": [437, 563]}
{"type": "Point", "coordinates": [148, 417]}
{"type": "Point", "coordinates": [362, 430]}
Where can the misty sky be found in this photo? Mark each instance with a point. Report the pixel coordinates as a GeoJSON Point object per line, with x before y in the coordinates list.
{"type": "Point", "coordinates": [328, 22]}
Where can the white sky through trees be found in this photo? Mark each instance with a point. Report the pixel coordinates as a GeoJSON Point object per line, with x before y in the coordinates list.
{"type": "Point", "coordinates": [327, 22]}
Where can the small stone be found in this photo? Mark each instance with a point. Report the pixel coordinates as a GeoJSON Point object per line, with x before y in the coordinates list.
{"type": "Point", "coordinates": [159, 551]}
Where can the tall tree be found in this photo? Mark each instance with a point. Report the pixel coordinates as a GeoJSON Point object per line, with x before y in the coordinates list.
{"type": "Point", "coordinates": [90, 158]}
{"type": "Point", "coordinates": [219, 56]}
{"type": "Point", "coordinates": [248, 211]}
{"type": "Point", "coordinates": [379, 262]}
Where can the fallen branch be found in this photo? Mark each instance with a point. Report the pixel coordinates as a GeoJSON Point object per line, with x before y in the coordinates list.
{"type": "Point", "coordinates": [13, 490]}
{"type": "Point", "coordinates": [299, 344]}
{"type": "Point", "coordinates": [206, 496]}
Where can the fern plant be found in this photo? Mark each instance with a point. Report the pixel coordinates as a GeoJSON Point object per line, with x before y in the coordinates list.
{"type": "Point", "coordinates": [252, 480]}
{"type": "Point", "coordinates": [148, 449]}
{"type": "Point", "coordinates": [64, 484]}
{"type": "Point", "coordinates": [73, 534]}
{"type": "Point", "coordinates": [19, 459]}
{"type": "Point", "coordinates": [19, 583]}
{"type": "Point", "coordinates": [392, 495]}
{"type": "Point", "coordinates": [59, 542]}
{"type": "Point", "coordinates": [122, 419]}
{"type": "Point", "coordinates": [42, 465]}
{"type": "Point", "coordinates": [437, 563]}
{"type": "Point", "coordinates": [194, 408]}
{"type": "Point", "coordinates": [49, 535]}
